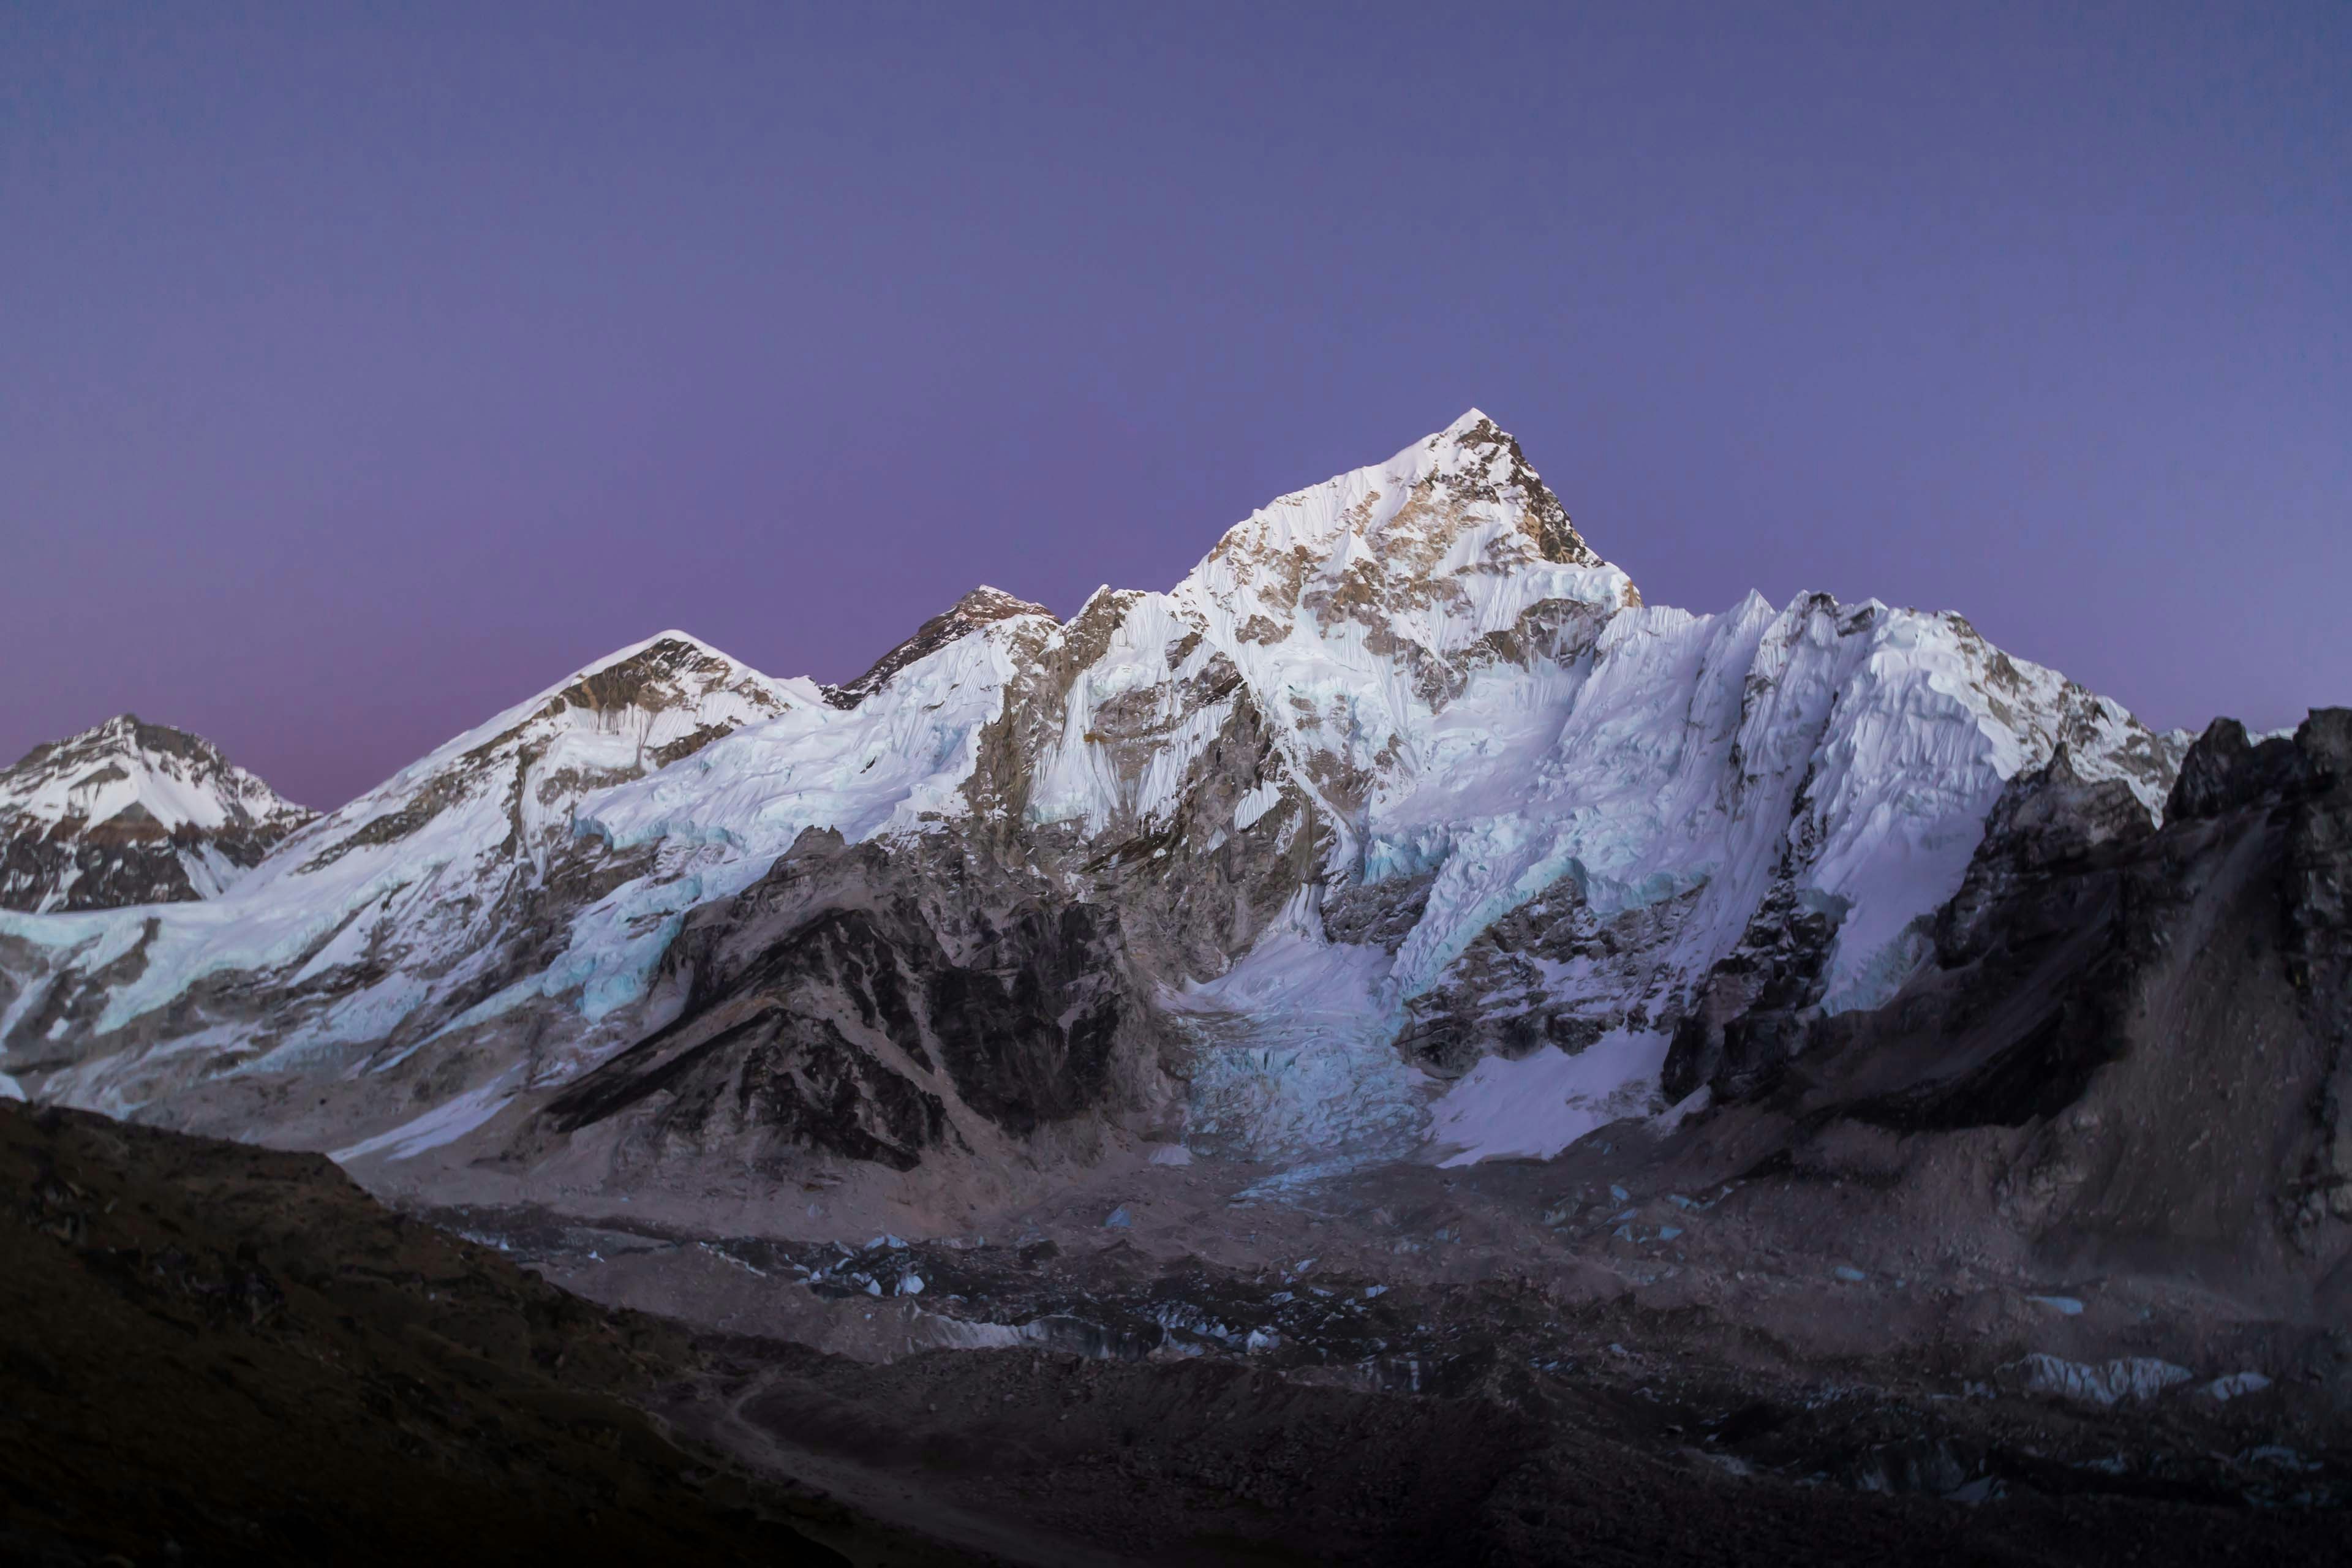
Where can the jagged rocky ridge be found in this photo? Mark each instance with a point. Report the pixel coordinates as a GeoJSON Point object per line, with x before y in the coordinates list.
{"type": "Point", "coordinates": [131, 813]}
{"type": "Point", "coordinates": [1400, 805]}
{"type": "Point", "coordinates": [2142, 1036]}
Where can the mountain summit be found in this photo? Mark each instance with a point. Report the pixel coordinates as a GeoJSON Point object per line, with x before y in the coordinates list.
{"type": "Point", "coordinates": [1399, 806]}
{"type": "Point", "coordinates": [131, 813]}
{"type": "Point", "coordinates": [1830, 999]}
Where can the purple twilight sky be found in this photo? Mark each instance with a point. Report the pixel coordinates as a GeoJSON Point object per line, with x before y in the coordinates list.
{"type": "Point", "coordinates": [363, 370]}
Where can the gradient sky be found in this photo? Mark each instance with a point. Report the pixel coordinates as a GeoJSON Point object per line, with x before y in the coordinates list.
{"type": "Point", "coordinates": [363, 371]}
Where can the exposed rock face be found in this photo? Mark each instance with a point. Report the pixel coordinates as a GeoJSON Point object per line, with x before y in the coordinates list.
{"type": "Point", "coordinates": [1402, 785]}
{"type": "Point", "coordinates": [2156, 1019]}
{"type": "Point", "coordinates": [841, 1006]}
{"type": "Point", "coordinates": [131, 813]}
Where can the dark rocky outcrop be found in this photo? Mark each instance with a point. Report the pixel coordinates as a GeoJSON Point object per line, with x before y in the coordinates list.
{"type": "Point", "coordinates": [216, 1353]}
{"type": "Point", "coordinates": [2157, 1017]}
{"type": "Point", "coordinates": [1497, 998]}
{"type": "Point", "coordinates": [2226, 770]}
{"type": "Point", "coordinates": [855, 1001]}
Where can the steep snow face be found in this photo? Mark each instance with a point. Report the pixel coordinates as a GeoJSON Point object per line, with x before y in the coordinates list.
{"type": "Point", "coordinates": [897, 762]}
{"type": "Point", "coordinates": [425, 896]}
{"type": "Point", "coordinates": [1850, 751]}
{"type": "Point", "coordinates": [1561, 810]}
{"type": "Point", "coordinates": [131, 813]}
{"type": "Point", "coordinates": [982, 607]}
{"type": "Point", "coordinates": [1402, 778]}
{"type": "Point", "coordinates": [1739, 806]}
{"type": "Point", "coordinates": [1352, 614]}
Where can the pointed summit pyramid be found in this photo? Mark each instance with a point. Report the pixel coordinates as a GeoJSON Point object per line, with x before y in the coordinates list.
{"type": "Point", "coordinates": [131, 813]}
{"type": "Point", "coordinates": [1482, 455]}
{"type": "Point", "coordinates": [1448, 541]}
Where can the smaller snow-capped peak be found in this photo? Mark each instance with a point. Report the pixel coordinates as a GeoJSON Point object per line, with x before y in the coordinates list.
{"type": "Point", "coordinates": [684, 640]}
{"type": "Point", "coordinates": [150, 778]}
{"type": "Point", "coordinates": [131, 813]}
{"type": "Point", "coordinates": [662, 690]}
{"type": "Point", "coordinates": [980, 607]}
{"type": "Point", "coordinates": [506, 787]}
{"type": "Point", "coordinates": [670, 650]}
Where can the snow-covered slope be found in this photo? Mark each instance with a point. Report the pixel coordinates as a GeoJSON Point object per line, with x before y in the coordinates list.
{"type": "Point", "coordinates": [429, 894]}
{"type": "Point", "coordinates": [131, 813]}
{"type": "Point", "coordinates": [1403, 779]}
{"type": "Point", "coordinates": [1564, 810]}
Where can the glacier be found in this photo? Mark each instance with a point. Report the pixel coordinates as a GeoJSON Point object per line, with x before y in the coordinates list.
{"type": "Point", "coordinates": [1427, 831]}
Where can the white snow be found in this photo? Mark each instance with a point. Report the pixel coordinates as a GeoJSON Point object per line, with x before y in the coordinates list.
{"type": "Point", "coordinates": [1535, 1107]}
{"type": "Point", "coordinates": [1442, 699]}
{"type": "Point", "coordinates": [443, 1124]}
{"type": "Point", "coordinates": [1294, 1055]}
{"type": "Point", "coordinates": [1256, 804]}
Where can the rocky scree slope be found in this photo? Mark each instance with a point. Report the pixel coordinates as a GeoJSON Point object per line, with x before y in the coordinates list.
{"type": "Point", "coordinates": [131, 813]}
{"type": "Point", "coordinates": [2128, 1052]}
{"type": "Point", "coordinates": [222, 1354]}
{"type": "Point", "coordinates": [1402, 801]}
{"type": "Point", "coordinates": [234, 1355]}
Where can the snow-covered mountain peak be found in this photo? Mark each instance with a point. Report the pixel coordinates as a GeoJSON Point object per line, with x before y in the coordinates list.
{"type": "Point", "coordinates": [673, 672]}
{"type": "Point", "coordinates": [130, 812]}
{"type": "Point", "coordinates": [672, 644]}
{"type": "Point", "coordinates": [658, 691]}
{"type": "Point", "coordinates": [1478, 456]}
{"type": "Point", "coordinates": [1449, 545]}
{"type": "Point", "coordinates": [982, 607]}
{"type": "Point", "coordinates": [127, 769]}
{"type": "Point", "coordinates": [1402, 776]}
{"type": "Point", "coordinates": [499, 797]}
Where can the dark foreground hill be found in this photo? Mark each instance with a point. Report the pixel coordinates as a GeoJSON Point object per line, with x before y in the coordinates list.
{"type": "Point", "coordinates": [211, 1352]}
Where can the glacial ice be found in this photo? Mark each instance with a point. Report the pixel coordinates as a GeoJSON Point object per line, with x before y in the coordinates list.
{"type": "Point", "coordinates": [2100, 1382]}
{"type": "Point", "coordinates": [1446, 700]}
